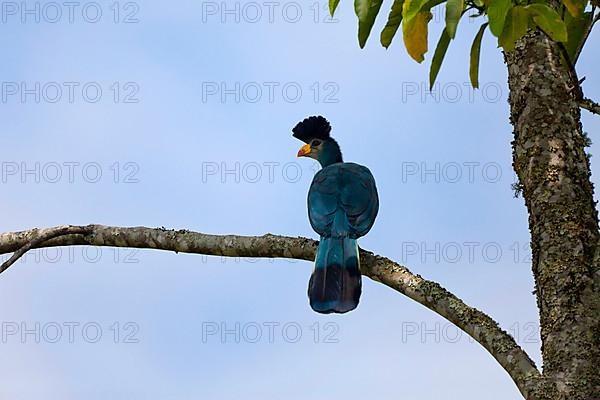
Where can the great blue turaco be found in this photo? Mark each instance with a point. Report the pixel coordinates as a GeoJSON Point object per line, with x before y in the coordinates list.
{"type": "Point", "coordinates": [342, 206]}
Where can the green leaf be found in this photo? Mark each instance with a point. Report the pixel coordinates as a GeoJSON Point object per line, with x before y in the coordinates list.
{"type": "Point", "coordinates": [366, 11]}
{"type": "Point", "coordinates": [411, 8]}
{"type": "Point", "coordinates": [361, 8]}
{"type": "Point", "coordinates": [333, 6]}
{"type": "Point", "coordinates": [575, 7]}
{"type": "Point", "coordinates": [515, 27]}
{"type": "Point", "coordinates": [475, 53]}
{"type": "Point", "coordinates": [454, 9]}
{"type": "Point", "coordinates": [428, 5]}
{"type": "Point", "coordinates": [414, 32]}
{"type": "Point", "coordinates": [438, 57]}
{"type": "Point", "coordinates": [497, 11]}
{"type": "Point", "coordinates": [576, 30]}
{"type": "Point", "coordinates": [549, 21]}
{"type": "Point", "coordinates": [393, 23]}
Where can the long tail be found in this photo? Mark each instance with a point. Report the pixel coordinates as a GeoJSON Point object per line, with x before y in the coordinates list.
{"type": "Point", "coordinates": [335, 284]}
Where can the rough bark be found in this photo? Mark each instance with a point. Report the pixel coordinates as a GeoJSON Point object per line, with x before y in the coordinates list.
{"type": "Point", "coordinates": [554, 174]}
{"type": "Point", "coordinates": [430, 294]}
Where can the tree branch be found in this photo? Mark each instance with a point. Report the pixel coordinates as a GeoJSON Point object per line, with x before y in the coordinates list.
{"type": "Point", "coordinates": [46, 235]}
{"type": "Point", "coordinates": [589, 105]}
{"type": "Point", "coordinates": [430, 294]}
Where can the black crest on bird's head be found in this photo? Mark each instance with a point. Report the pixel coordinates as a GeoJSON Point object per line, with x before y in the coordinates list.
{"type": "Point", "coordinates": [315, 127]}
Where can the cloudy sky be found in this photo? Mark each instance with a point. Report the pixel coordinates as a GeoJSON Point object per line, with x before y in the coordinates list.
{"type": "Point", "coordinates": [180, 115]}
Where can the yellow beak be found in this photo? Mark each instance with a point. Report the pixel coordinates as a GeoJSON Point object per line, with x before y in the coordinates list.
{"type": "Point", "coordinates": [304, 150]}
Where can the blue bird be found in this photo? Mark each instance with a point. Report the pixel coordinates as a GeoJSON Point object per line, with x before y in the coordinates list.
{"type": "Point", "coordinates": [342, 206]}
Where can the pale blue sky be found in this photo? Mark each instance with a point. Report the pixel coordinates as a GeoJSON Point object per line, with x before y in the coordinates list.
{"type": "Point", "coordinates": [164, 160]}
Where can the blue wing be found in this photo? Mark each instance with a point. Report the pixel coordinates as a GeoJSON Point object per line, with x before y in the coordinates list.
{"type": "Point", "coordinates": [343, 201]}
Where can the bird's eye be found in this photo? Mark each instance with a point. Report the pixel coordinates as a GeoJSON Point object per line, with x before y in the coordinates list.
{"type": "Point", "coordinates": [316, 143]}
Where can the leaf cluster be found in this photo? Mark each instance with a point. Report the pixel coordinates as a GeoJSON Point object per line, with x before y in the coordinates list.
{"type": "Point", "coordinates": [507, 20]}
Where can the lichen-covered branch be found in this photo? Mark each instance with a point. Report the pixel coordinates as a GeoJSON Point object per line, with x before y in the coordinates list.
{"type": "Point", "coordinates": [45, 236]}
{"type": "Point", "coordinates": [590, 105]}
{"type": "Point", "coordinates": [430, 294]}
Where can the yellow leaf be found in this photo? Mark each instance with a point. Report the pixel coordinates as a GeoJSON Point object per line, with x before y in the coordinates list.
{"type": "Point", "coordinates": [414, 31]}
{"type": "Point", "coordinates": [575, 7]}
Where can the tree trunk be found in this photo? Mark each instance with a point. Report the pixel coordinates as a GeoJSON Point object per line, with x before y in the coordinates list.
{"type": "Point", "coordinates": [554, 175]}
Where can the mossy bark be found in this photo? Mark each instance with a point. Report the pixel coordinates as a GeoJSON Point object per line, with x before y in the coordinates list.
{"type": "Point", "coordinates": [554, 174]}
